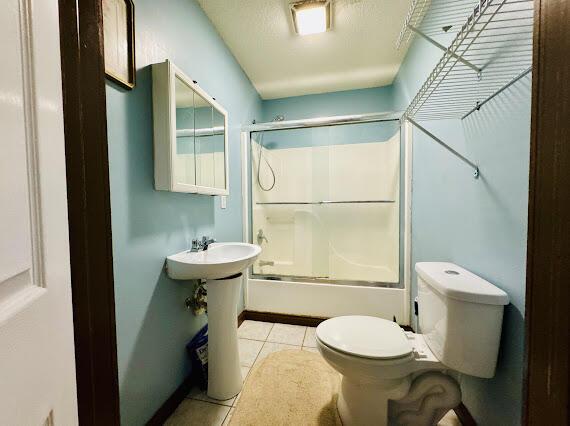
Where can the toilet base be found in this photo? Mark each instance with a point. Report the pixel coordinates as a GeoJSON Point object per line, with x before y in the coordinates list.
{"type": "Point", "coordinates": [431, 395]}
{"type": "Point", "coordinates": [366, 403]}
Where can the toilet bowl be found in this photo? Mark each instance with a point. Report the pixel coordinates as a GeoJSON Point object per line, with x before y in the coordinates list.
{"type": "Point", "coordinates": [377, 360]}
{"type": "Point", "coordinates": [460, 318]}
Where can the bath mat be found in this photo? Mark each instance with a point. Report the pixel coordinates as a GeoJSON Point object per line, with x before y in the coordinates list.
{"type": "Point", "coordinates": [291, 387]}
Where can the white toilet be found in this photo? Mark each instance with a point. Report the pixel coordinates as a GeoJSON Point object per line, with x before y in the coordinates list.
{"type": "Point", "coordinates": [460, 317]}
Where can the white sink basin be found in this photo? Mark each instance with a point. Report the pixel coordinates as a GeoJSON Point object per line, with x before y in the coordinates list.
{"type": "Point", "coordinates": [221, 260]}
{"type": "Point", "coordinates": [219, 265]}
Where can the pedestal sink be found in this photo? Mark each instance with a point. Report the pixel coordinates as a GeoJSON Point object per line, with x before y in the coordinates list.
{"type": "Point", "coordinates": [221, 265]}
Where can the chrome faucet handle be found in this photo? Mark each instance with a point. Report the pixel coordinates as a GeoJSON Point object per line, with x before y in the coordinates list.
{"type": "Point", "coordinates": [206, 241]}
{"type": "Point", "coordinates": [196, 245]}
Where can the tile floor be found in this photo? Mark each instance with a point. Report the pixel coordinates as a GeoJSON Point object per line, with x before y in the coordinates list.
{"type": "Point", "coordinates": [256, 341]}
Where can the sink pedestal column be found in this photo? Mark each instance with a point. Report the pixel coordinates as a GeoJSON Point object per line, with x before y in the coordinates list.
{"type": "Point", "coordinates": [224, 372]}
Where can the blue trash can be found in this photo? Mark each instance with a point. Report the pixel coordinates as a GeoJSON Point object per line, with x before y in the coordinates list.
{"type": "Point", "coordinates": [198, 352]}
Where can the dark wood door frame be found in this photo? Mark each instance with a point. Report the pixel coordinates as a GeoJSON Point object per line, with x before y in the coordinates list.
{"type": "Point", "coordinates": [547, 381]}
{"type": "Point", "coordinates": [85, 123]}
{"type": "Point", "coordinates": [548, 259]}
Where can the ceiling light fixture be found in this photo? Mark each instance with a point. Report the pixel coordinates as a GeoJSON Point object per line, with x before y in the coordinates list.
{"type": "Point", "coordinates": [311, 16]}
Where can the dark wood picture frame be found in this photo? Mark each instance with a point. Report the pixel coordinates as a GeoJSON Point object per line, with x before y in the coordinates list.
{"type": "Point", "coordinates": [130, 81]}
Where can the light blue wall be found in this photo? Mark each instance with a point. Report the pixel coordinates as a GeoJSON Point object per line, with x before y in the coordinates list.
{"type": "Point", "coordinates": [361, 101]}
{"type": "Point", "coordinates": [348, 102]}
{"type": "Point", "coordinates": [478, 224]}
{"type": "Point", "coordinates": [152, 324]}
{"type": "Point", "coordinates": [346, 134]}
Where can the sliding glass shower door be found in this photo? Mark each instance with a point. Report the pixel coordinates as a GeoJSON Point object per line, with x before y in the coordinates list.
{"type": "Point", "coordinates": [325, 202]}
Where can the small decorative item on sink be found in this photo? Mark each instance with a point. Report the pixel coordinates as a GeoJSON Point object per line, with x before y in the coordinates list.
{"type": "Point", "coordinates": [221, 265]}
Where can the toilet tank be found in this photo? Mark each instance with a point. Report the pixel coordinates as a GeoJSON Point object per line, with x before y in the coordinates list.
{"type": "Point", "coordinates": [460, 317]}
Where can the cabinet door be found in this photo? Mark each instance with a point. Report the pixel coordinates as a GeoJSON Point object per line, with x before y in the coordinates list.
{"type": "Point", "coordinates": [203, 113]}
{"type": "Point", "coordinates": [183, 167]}
{"type": "Point", "coordinates": [190, 135]}
{"type": "Point", "coordinates": [219, 149]}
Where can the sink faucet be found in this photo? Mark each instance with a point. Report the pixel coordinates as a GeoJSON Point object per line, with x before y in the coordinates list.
{"type": "Point", "coordinates": [206, 241]}
{"type": "Point", "coordinates": [260, 237]}
{"type": "Point", "coordinates": [200, 245]}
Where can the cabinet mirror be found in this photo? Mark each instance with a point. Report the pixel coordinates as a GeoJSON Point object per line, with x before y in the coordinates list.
{"type": "Point", "coordinates": [190, 135]}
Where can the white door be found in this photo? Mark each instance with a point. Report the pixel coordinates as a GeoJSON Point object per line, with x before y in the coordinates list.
{"type": "Point", "coordinates": [37, 366]}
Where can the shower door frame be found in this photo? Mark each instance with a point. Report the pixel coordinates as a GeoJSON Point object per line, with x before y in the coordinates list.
{"type": "Point", "coordinates": [296, 296]}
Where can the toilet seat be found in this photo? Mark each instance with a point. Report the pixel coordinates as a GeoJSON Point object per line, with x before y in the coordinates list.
{"type": "Point", "coordinates": [364, 337]}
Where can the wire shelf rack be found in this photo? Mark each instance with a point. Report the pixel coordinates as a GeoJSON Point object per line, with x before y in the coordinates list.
{"type": "Point", "coordinates": [445, 16]}
{"type": "Point", "coordinates": [492, 50]}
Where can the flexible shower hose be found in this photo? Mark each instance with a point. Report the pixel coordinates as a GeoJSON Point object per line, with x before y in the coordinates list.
{"type": "Point", "coordinates": [260, 156]}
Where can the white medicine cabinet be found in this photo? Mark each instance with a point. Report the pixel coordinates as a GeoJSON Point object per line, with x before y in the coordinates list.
{"type": "Point", "coordinates": [190, 135]}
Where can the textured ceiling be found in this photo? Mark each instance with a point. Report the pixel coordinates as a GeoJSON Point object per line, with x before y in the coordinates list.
{"type": "Point", "coordinates": [358, 52]}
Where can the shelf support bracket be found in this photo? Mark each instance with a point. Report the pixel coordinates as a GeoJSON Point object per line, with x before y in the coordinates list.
{"type": "Point", "coordinates": [498, 92]}
{"type": "Point", "coordinates": [445, 49]}
{"type": "Point", "coordinates": [476, 172]}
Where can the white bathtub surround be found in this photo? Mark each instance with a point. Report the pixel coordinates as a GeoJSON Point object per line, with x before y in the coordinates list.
{"type": "Point", "coordinates": [311, 240]}
{"type": "Point", "coordinates": [325, 300]}
{"type": "Point", "coordinates": [351, 241]}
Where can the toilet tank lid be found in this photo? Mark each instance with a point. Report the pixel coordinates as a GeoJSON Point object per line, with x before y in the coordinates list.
{"type": "Point", "coordinates": [458, 283]}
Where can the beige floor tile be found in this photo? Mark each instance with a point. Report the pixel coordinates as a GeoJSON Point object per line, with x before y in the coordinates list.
{"type": "Point", "coordinates": [197, 393]}
{"type": "Point", "coordinates": [288, 334]}
{"type": "Point", "coordinates": [450, 419]}
{"type": "Point", "coordinates": [309, 340]}
{"type": "Point", "coordinates": [245, 371]}
{"type": "Point", "coordinates": [237, 399]}
{"type": "Point", "coordinates": [315, 350]}
{"type": "Point", "coordinates": [270, 347]}
{"type": "Point", "coordinates": [248, 351]}
{"type": "Point", "coordinates": [228, 417]}
{"type": "Point", "coordinates": [192, 412]}
{"type": "Point", "coordinates": [254, 330]}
